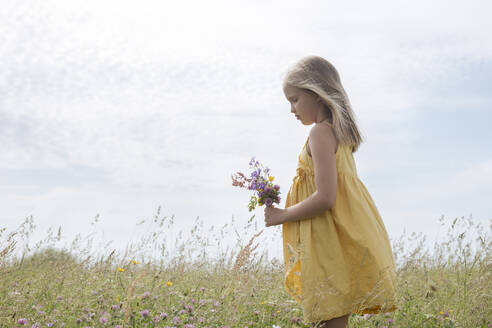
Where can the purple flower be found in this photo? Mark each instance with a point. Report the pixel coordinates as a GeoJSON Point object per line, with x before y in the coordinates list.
{"type": "Point", "coordinates": [295, 319]}
{"type": "Point", "coordinates": [146, 294]}
{"type": "Point", "coordinates": [22, 321]}
{"type": "Point", "coordinates": [163, 315]}
{"type": "Point", "coordinates": [181, 312]}
{"type": "Point", "coordinates": [103, 319]}
{"type": "Point", "coordinates": [276, 187]}
{"type": "Point", "coordinates": [189, 325]}
{"type": "Point", "coordinates": [268, 202]}
{"type": "Point", "coordinates": [59, 298]}
{"type": "Point", "coordinates": [35, 326]}
{"type": "Point", "coordinates": [114, 307]}
{"type": "Point", "coordinates": [177, 320]}
{"type": "Point", "coordinates": [144, 313]}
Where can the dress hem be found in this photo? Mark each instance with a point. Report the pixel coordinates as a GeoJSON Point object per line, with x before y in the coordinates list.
{"type": "Point", "coordinates": [373, 310]}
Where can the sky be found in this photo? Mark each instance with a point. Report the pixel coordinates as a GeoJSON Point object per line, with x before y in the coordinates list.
{"type": "Point", "coordinates": [110, 109]}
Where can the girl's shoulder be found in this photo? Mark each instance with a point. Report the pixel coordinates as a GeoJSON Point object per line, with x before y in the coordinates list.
{"type": "Point", "coordinates": [322, 126]}
{"type": "Point", "coordinates": [323, 132]}
{"type": "Point", "coordinates": [325, 123]}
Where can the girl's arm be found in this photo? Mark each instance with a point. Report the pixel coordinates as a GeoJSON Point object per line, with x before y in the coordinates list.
{"type": "Point", "coordinates": [323, 145]}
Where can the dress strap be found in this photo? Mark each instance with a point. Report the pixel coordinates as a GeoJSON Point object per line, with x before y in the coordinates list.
{"type": "Point", "coordinates": [306, 141]}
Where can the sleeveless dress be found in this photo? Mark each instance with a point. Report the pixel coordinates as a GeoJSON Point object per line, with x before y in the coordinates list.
{"type": "Point", "coordinates": [340, 261]}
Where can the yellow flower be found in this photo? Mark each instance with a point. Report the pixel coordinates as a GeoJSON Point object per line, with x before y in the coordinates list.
{"type": "Point", "coordinates": [450, 311]}
{"type": "Point", "coordinates": [278, 311]}
{"type": "Point", "coordinates": [169, 283]}
{"type": "Point", "coordinates": [270, 178]}
{"type": "Point", "coordinates": [117, 298]}
{"type": "Point", "coordinates": [135, 262]}
{"type": "Point", "coordinates": [121, 269]}
{"type": "Point", "coordinates": [261, 303]}
{"type": "Point", "coordinates": [441, 312]}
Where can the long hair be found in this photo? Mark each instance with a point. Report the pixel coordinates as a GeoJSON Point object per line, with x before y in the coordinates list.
{"type": "Point", "coordinates": [316, 74]}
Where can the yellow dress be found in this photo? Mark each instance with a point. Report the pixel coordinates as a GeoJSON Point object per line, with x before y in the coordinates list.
{"type": "Point", "coordinates": [339, 261]}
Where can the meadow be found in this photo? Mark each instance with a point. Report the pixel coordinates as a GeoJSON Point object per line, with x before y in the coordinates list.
{"type": "Point", "coordinates": [43, 285]}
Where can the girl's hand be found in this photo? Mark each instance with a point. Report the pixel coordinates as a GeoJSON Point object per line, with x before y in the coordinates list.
{"type": "Point", "coordinates": [274, 216]}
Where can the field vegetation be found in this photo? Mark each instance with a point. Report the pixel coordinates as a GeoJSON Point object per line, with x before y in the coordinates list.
{"type": "Point", "coordinates": [152, 285]}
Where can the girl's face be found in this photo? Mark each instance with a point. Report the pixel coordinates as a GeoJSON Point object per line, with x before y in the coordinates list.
{"type": "Point", "coordinates": [305, 104]}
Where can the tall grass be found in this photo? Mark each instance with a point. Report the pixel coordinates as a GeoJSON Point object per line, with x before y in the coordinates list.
{"type": "Point", "coordinates": [151, 284]}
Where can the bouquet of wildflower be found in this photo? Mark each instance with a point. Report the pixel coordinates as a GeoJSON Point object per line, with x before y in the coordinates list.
{"type": "Point", "coordinates": [261, 182]}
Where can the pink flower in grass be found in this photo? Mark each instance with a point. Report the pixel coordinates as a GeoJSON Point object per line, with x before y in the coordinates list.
{"type": "Point", "coordinates": [22, 321]}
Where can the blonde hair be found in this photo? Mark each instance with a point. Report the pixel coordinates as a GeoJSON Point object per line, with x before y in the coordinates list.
{"type": "Point", "coordinates": [316, 74]}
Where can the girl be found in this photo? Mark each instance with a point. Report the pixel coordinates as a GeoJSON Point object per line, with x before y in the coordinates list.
{"type": "Point", "coordinates": [337, 255]}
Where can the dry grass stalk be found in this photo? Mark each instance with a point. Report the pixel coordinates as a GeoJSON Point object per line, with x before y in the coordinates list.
{"type": "Point", "coordinates": [4, 252]}
{"type": "Point", "coordinates": [131, 289]}
{"type": "Point", "coordinates": [244, 254]}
